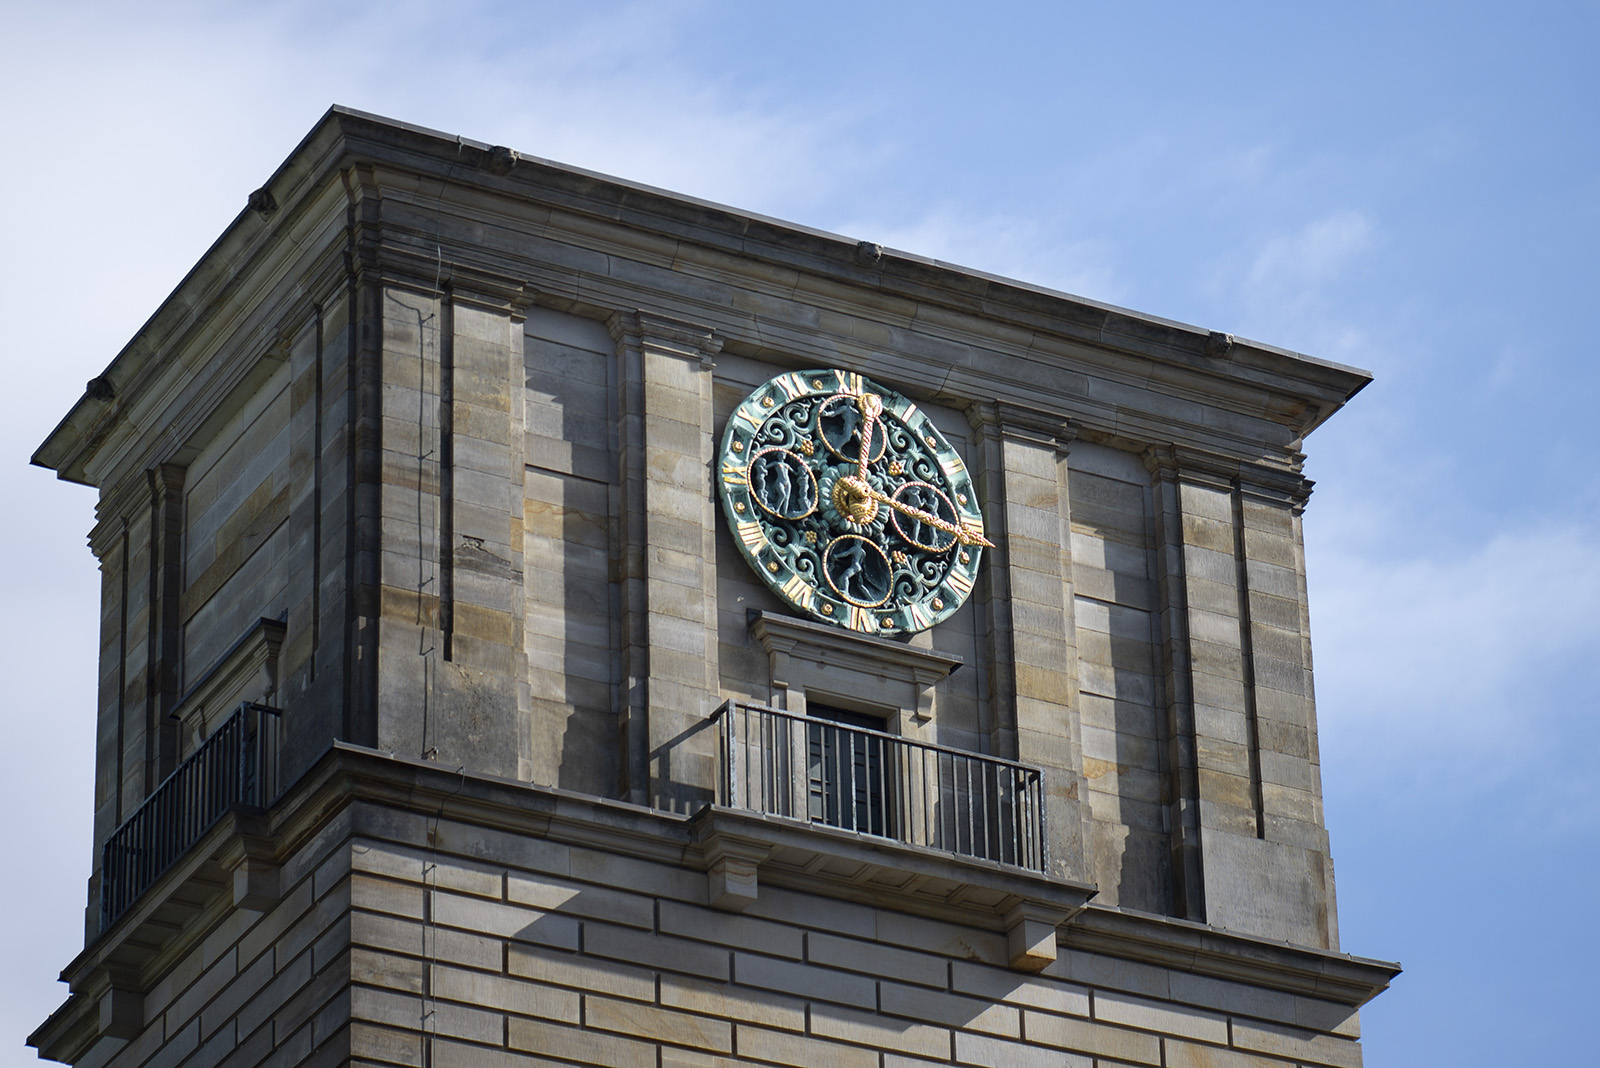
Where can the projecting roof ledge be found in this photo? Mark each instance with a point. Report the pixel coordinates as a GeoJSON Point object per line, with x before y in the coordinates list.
{"type": "Point", "coordinates": [345, 135]}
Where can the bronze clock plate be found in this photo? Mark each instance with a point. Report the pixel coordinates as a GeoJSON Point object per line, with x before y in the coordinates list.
{"type": "Point", "coordinates": [849, 503]}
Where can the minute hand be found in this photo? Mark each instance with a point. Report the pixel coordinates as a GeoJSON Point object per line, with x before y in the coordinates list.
{"type": "Point", "coordinates": [965, 535]}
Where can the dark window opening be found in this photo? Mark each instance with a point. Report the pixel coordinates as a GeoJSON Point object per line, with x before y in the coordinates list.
{"type": "Point", "coordinates": [851, 774]}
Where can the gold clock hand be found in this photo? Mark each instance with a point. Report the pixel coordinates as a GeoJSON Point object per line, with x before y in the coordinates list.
{"type": "Point", "coordinates": [871, 406]}
{"type": "Point", "coordinates": [965, 535]}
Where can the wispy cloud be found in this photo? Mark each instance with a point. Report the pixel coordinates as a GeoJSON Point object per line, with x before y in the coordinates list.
{"type": "Point", "coordinates": [1000, 244]}
{"type": "Point", "coordinates": [1287, 285]}
{"type": "Point", "coordinates": [139, 134]}
{"type": "Point", "coordinates": [1312, 255]}
{"type": "Point", "coordinates": [1454, 669]}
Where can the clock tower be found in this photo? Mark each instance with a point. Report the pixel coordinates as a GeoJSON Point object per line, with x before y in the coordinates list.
{"type": "Point", "coordinates": [552, 621]}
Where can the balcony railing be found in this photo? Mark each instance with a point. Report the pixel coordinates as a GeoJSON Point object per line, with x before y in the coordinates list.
{"type": "Point", "coordinates": [237, 766]}
{"type": "Point", "coordinates": [781, 764]}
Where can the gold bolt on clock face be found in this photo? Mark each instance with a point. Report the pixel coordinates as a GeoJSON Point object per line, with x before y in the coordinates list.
{"type": "Point", "coordinates": [849, 502]}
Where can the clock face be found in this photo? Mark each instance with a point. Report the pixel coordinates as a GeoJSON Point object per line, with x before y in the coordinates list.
{"type": "Point", "coordinates": [849, 503]}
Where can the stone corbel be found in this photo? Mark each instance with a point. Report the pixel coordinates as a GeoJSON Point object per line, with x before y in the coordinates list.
{"type": "Point", "coordinates": [923, 679]}
{"type": "Point", "coordinates": [731, 862]}
{"type": "Point", "coordinates": [254, 868]}
{"type": "Point", "coordinates": [121, 1006]}
{"type": "Point", "coordinates": [1031, 934]}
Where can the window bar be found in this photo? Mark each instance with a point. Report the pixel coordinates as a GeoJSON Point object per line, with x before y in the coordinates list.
{"type": "Point", "coordinates": [922, 773]}
{"type": "Point", "coordinates": [782, 765]}
{"type": "Point", "coordinates": [735, 733]}
{"type": "Point", "coordinates": [971, 840]}
{"type": "Point", "coordinates": [980, 815]}
{"type": "Point", "coordinates": [775, 745]}
{"type": "Point", "coordinates": [758, 787]}
{"type": "Point", "coordinates": [944, 809]}
{"type": "Point", "coordinates": [799, 748]}
{"type": "Point", "coordinates": [756, 743]}
{"type": "Point", "coordinates": [841, 761]}
{"type": "Point", "coordinates": [879, 800]}
{"type": "Point", "coordinates": [726, 739]}
{"type": "Point", "coordinates": [889, 802]}
{"type": "Point", "coordinates": [241, 753]}
{"type": "Point", "coordinates": [772, 764]}
{"type": "Point", "coordinates": [1013, 828]}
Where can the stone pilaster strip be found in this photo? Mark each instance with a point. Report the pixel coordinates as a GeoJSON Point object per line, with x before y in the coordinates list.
{"type": "Point", "coordinates": [1180, 757]}
{"type": "Point", "coordinates": [362, 444]}
{"type": "Point", "coordinates": [668, 556]}
{"type": "Point", "coordinates": [1029, 609]}
{"type": "Point", "coordinates": [166, 624]}
{"type": "Point", "coordinates": [1238, 681]}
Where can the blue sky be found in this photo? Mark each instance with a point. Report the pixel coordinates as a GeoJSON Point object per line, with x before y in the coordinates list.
{"type": "Point", "coordinates": [1411, 188]}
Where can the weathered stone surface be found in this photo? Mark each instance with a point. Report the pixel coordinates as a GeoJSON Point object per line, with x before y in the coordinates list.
{"type": "Point", "coordinates": [475, 504]}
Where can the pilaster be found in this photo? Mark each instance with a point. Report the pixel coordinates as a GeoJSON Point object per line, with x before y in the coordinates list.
{"type": "Point", "coordinates": [454, 682]}
{"type": "Point", "coordinates": [1181, 770]}
{"type": "Point", "coordinates": [1028, 604]}
{"type": "Point", "coordinates": [667, 562]}
{"type": "Point", "coordinates": [1248, 848]}
{"type": "Point", "coordinates": [483, 427]}
{"type": "Point", "coordinates": [361, 442]}
{"type": "Point", "coordinates": [166, 620]}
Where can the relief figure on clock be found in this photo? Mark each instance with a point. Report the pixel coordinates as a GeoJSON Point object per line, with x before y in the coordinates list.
{"type": "Point", "coordinates": [782, 484]}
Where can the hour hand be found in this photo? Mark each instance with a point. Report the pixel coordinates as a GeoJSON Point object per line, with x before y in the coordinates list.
{"type": "Point", "coordinates": [861, 488]}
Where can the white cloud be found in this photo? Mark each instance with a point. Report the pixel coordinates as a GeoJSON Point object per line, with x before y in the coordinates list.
{"type": "Point", "coordinates": [136, 135]}
{"type": "Point", "coordinates": [1314, 254]}
{"type": "Point", "coordinates": [1286, 287]}
{"type": "Point", "coordinates": [1454, 669]}
{"type": "Point", "coordinates": [1006, 245]}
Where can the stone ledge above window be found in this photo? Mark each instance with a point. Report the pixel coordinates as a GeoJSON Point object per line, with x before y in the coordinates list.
{"type": "Point", "coordinates": [877, 672]}
{"type": "Point", "coordinates": [248, 671]}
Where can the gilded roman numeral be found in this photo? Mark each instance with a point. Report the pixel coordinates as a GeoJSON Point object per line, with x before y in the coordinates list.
{"type": "Point", "coordinates": [750, 534]}
{"type": "Point", "coordinates": [792, 384]}
{"type": "Point", "coordinates": [960, 584]}
{"type": "Point", "coordinates": [800, 593]}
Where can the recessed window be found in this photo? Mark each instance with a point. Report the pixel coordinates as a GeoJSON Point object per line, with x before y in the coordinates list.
{"type": "Point", "coordinates": [851, 778]}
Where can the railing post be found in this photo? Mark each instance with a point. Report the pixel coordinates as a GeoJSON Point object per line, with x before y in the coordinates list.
{"type": "Point", "coordinates": [234, 766]}
{"type": "Point", "coordinates": [947, 799]}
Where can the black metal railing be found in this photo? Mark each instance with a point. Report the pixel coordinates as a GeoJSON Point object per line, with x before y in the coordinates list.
{"type": "Point", "coordinates": [870, 782]}
{"type": "Point", "coordinates": [237, 766]}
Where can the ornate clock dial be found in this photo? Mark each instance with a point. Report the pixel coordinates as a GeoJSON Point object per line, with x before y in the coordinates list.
{"type": "Point", "coordinates": [849, 503]}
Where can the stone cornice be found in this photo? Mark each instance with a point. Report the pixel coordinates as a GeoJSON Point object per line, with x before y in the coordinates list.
{"type": "Point", "coordinates": [208, 311]}
{"type": "Point", "coordinates": [119, 508]}
{"type": "Point", "coordinates": [949, 313]}
{"type": "Point", "coordinates": [1211, 951]}
{"type": "Point", "coordinates": [848, 650]}
{"type": "Point", "coordinates": [489, 292]}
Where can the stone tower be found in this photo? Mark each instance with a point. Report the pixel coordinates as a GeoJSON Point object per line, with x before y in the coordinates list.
{"type": "Point", "coordinates": [547, 620]}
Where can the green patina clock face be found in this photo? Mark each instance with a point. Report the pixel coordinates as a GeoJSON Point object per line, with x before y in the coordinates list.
{"type": "Point", "coordinates": [849, 503]}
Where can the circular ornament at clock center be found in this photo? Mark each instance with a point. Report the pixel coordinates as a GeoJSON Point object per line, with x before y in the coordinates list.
{"type": "Point", "coordinates": [849, 503]}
